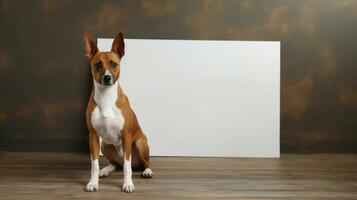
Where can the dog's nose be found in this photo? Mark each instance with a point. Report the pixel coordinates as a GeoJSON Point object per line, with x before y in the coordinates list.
{"type": "Point", "coordinates": [107, 79]}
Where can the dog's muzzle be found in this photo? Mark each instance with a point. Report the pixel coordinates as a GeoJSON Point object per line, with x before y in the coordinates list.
{"type": "Point", "coordinates": [107, 80]}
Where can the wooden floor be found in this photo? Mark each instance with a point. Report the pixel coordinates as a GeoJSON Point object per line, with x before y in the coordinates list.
{"type": "Point", "coordinates": [62, 176]}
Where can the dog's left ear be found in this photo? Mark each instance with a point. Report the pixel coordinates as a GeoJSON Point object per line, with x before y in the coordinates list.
{"type": "Point", "coordinates": [118, 45]}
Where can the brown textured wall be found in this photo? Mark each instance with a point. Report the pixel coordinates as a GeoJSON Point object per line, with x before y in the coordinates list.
{"type": "Point", "coordinates": [45, 79]}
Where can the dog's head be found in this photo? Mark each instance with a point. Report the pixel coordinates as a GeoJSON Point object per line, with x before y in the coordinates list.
{"type": "Point", "coordinates": [105, 66]}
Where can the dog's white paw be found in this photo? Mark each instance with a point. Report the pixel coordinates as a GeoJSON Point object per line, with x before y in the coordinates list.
{"type": "Point", "coordinates": [147, 173]}
{"type": "Point", "coordinates": [92, 186]}
{"type": "Point", "coordinates": [106, 170]}
{"type": "Point", "coordinates": [128, 187]}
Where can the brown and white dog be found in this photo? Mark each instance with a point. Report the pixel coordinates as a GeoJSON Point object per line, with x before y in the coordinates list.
{"type": "Point", "coordinates": [110, 117]}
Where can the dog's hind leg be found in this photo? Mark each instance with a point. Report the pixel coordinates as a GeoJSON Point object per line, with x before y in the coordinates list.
{"type": "Point", "coordinates": [143, 154]}
{"type": "Point", "coordinates": [104, 172]}
{"type": "Point", "coordinates": [111, 153]}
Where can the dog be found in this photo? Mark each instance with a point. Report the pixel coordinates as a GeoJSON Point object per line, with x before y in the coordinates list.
{"type": "Point", "coordinates": [110, 117]}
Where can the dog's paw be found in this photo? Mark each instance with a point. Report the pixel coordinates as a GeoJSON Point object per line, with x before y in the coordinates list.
{"type": "Point", "coordinates": [128, 187]}
{"type": "Point", "coordinates": [103, 173]}
{"type": "Point", "coordinates": [92, 186]}
{"type": "Point", "coordinates": [147, 173]}
{"type": "Point", "coordinates": [106, 170]}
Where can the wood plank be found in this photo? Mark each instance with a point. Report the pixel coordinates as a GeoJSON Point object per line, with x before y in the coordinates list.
{"type": "Point", "coordinates": [63, 175]}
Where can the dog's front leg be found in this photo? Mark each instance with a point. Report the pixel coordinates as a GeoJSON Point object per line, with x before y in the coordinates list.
{"type": "Point", "coordinates": [128, 185]}
{"type": "Point", "coordinates": [94, 151]}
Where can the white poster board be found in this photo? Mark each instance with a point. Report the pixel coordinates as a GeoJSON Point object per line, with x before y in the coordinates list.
{"type": "Point", "coordinates": [204, 98]}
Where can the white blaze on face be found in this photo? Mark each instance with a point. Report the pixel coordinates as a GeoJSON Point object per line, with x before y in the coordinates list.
{"type": "Point", "coordinates": [107, 72]}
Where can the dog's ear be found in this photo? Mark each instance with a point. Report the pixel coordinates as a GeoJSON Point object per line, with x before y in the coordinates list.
{"type": "Point", "coordinates": [118, 45]}
{"type": "Point", "coordinates": [90, 45]}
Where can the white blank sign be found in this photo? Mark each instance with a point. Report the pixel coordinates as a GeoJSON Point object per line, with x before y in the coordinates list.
{"type": "Point", "coordinates": [204, 98]}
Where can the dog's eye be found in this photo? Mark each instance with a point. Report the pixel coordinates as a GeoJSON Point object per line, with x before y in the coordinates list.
{"type": "Point", "coordinates": [113, 64]}
{"type": "Point", "coordinates": [98, 65]}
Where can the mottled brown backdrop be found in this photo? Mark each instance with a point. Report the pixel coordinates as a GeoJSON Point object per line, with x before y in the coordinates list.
{"type": "Point", "coordinates": [45, 79]}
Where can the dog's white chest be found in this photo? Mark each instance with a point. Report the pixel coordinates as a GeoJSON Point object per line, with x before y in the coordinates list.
{"type": "Point", "coordinates": [108, 123]}
{"type": "Point", "coordinates": [107, 118]}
